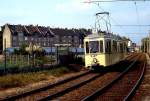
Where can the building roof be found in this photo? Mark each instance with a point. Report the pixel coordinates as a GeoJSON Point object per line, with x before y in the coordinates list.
{"type": "Point", "coordinates": [30, 30]}
{"type": "Point", "coordinates": [47, 31]}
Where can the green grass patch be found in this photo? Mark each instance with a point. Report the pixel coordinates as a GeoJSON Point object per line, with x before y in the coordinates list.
{"type": "Point", "coordinates": [16, 80]}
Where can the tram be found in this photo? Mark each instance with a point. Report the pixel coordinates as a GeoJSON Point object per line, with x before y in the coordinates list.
{"type": "Point", "coordinates": [103, 49]}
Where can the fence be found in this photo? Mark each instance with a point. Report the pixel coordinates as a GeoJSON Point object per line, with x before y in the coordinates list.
{"type": "Point", "coordinates": [24, 63]}
{"type": "Point", "coordinates": [29, 63]}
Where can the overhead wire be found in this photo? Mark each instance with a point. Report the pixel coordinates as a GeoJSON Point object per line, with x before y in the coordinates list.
{"type": "Point", "coordinates": [107, 1]}
{"type": "Point", "coordinates": [118, 25]}
{"type": "Point", "coordinates": [121, 28]}
{"type": "Point", "coordinates": [133, 25]}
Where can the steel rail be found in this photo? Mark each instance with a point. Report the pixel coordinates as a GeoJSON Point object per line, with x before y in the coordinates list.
{"type": "Point", "coordinates": [100, 90]}
{"type": "Point", "coordinates": [28, 93]}
{"type": "Point", "coordinates": [14, 97]}
{"type": "Point", "coordinates": [128, 97]}
{"type": "Point", "coordinates": [57, 94]}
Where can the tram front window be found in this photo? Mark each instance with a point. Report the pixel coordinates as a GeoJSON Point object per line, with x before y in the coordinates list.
{"type": "Point", "coordinates": [94, 46]}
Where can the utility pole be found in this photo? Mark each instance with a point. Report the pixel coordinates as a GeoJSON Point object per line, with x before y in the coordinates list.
{"type": "Point", "coordinates": [5, 55]}
{"type": "Point", "coordinates": [149, 42]}
{"type": "Point", "coordinates": [143, 45]}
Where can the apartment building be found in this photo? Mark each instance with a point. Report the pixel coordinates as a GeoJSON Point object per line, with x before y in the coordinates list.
{"type": "Point", "coordinates": [16, 35]}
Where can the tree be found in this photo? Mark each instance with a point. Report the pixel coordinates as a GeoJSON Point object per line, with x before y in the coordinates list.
{"type": "Point", "coordinates": [1, 41]}
{"type": "Point", "coordinates": [16, 51]}
{"type": "Point", "coordinates": [22, 49]}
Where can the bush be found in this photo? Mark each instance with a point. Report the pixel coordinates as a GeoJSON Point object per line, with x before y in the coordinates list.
{"type": "Point", "coordinates": [15, 80]}
{"type": "Point", "coordinates": [59, 71]}
{"type": "Point", "coordinates": [79, 60]}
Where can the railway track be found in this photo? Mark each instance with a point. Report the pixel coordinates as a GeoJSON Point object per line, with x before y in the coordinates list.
{"type": "Point", "coordinates": [87, 89]}
{"type": "Point", "coordinates": [70, 87]}
{"type": "Point", "coordinates": [14, 97]}
{"type": "Point", "coordinates": [56, 89]}
{"type": "Point", "coordinates": [121, 88]}
{"type": "Point", "coordinates": [82, 91]}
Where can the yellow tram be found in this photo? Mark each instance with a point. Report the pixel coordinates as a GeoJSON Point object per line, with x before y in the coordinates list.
{"type": "Point", "coordinates": [103, 49]}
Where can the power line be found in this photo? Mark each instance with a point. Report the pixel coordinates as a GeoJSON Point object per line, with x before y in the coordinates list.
{"type": "Point", "coordinates": [107, 1]}
{"type": "Point", "coordinates": [132, 25]}
{"type": "Point", "coordinates": [120, 25]}
{"type": "Point", "coordinates": [135, 33]}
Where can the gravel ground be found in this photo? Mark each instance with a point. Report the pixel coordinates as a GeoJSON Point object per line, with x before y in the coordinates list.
{"type": "Point", "coordinates": [122, 87]}
{"type": "Point", "coordinates": [87, 89]}
{"type": "Point", "coordinates": [143, 93]}
{"type": "Point", "coordinates": [53, 90]}
{"type": "Point", "coordinates": [117, 92]}
{"type": "Point", "coordinates": [51, 80]}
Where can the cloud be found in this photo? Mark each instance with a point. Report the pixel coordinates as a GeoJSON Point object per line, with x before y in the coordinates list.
{"type": "Point", "coordinates": [73, 6]}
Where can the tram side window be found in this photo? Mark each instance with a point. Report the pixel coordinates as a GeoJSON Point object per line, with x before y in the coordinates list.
{"type": "Point", "coordinates": [101, 46]}
{"type": "Point", "coordinates": [121, 47]}
{"type": "Point", "coordinates": [94, 46]}
{"type": "Point", "coordinates": [87, 47]}
{"type": "Point", "coordinates": [125, 47]}
{"type": "Point", "coordinates": [118, 47]}
{"type": "Point", "coordinates": [108, 46]}
{"type": "Point", "coordinates": [114, 46]}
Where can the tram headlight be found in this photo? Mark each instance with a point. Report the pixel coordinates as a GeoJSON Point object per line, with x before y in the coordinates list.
{"type": "Point", "coordinates": [95, 60]}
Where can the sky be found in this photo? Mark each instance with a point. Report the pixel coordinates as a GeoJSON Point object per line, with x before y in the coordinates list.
{"type": "Point", "coordinates": [76, 14]}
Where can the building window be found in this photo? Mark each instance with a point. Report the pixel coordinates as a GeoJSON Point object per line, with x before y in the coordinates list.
{"type": "Point", "coordinates": [14, 38]}
{"type": "Point", "coordinates": [69, 40]}
{"type": "Point", "coordinates": [44, 44]}
{"type": "Point", "coordinates": [14, 44]}
{"type": "Point", "coordinates": [20, 36]}
{"type": "Point", "coordinates": [31, 39]}
{"type": "Point", "coordinates": [26, 38]}
{"type": "Point", "coordinates": [51, 39]}
{"type": "Point", "coordinates": [64, 40]}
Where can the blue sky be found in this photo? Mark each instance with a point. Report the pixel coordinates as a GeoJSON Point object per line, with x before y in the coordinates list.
{"type": "Point", "coordinates": [76, 14]}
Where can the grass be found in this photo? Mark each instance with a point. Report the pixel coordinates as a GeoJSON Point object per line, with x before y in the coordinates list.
{"type": "Point", "coordinates": [18, 64]}
{"type": "Point", "coordinates": [16, 80]}
{"type": "Point", "coordinates": [22, 62]}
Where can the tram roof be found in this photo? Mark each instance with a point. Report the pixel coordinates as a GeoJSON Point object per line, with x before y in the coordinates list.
{"type": "Point", "coordinates": [103, 35]}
